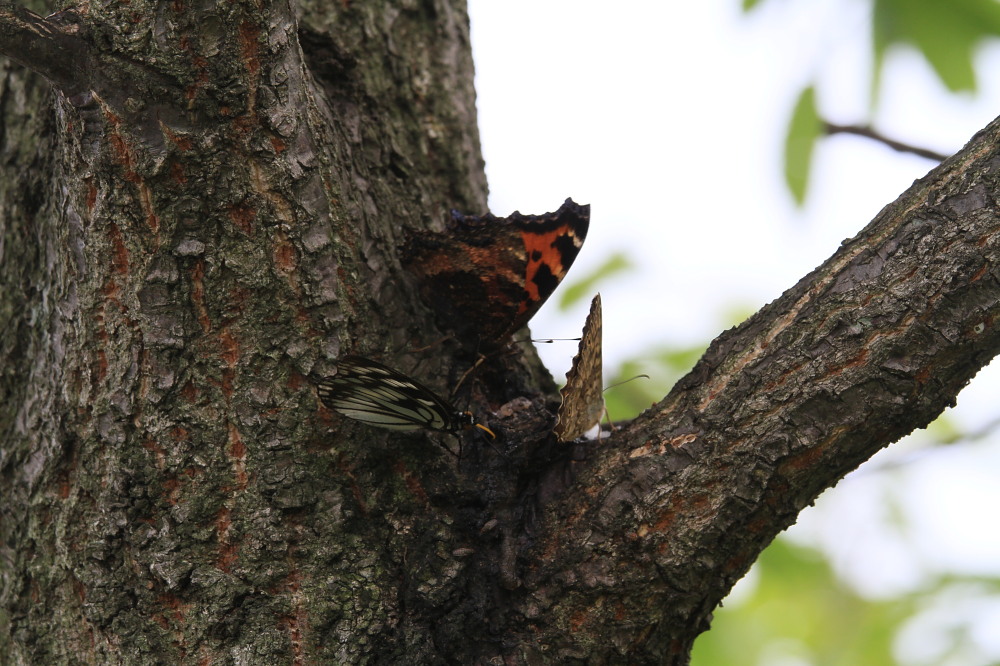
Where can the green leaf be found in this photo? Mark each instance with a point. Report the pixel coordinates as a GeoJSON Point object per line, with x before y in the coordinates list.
{"type": "Point", "coordinates": [748, 5]}
{"type": "Point", "coordinates": [799, 609]}
{"type": "Point", "coordinates": [945, 33]}
{"type": "Point", "coordinates": [803, 132]}
{"type": "Point", "coordinates": [583, 289]}
{"type": "Point", "coordinates": [627, 396]}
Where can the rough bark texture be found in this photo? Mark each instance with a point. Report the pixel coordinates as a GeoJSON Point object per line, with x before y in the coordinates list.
{"type": "Point", "coordinates": [207, 209]}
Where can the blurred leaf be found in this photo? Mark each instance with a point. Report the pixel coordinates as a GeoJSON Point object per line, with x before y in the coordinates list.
{"type": "Point", "coordinates": [798, 604]}
{"type": "Point", "coordinates": [735, 314]}
{"type": "Point", "coordinates": [748, 5]}
{"type": "Point", "coordinates": [803, 132]}
{"type": "Point", "coordinates": [945, 33]}
{"type": "Point", "coordinates": [584, 289]}
{"type": "Point", "coordinates": [664, 367]}
{"type": "Point", "coordinates": [944, 429]}
{"type": "Point", "coordinates": [799, 601]}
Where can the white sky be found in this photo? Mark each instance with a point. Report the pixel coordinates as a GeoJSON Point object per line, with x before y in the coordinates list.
{"type": "Point", "coordinates": [668, 118]}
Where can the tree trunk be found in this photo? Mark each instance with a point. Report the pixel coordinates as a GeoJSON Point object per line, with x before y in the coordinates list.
{"type": "Point", "coordinates": [205, 208]}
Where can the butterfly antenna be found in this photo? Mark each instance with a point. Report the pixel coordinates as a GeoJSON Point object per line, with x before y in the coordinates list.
{"type": "Point", "coordinates": [606, 416]}
{"type": "Point", "coordinates": [625, 381]}
{"type": "Point", "coordinates": [438, 342]}
{"type": "Point", "coordinates": [465, 375]}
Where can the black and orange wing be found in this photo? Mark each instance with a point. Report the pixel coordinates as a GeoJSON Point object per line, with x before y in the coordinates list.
{"type": "Point", "coordinates": [486, 276]}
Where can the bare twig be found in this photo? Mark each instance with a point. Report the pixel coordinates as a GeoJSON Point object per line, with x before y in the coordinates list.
{"type": "Point", "coordinates": [867, 132]}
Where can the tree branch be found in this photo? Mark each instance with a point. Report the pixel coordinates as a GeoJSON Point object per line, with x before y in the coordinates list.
{"type": "Point", "coordinates": [869, 133]}
{"type": "Point", "coordinates": [48, 46]}
{"type": "Point", "coordinates": [871, 345]}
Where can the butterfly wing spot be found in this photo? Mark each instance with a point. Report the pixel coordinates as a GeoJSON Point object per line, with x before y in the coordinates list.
{"type": "Point", "coordinates": [551, 251]}
{"type": "Point", "coordinates": [583, 396]}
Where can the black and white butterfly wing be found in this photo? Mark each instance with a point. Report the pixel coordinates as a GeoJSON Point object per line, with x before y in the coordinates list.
{"type": "Point", "coordinates": [373, 393]}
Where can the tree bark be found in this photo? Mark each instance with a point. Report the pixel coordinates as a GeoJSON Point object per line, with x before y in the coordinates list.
{"type": "Point", "coordinates": [205, 210]}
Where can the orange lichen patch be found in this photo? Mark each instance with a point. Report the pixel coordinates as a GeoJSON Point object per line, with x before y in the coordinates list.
{"type": "Point", "coordinates": [190, 392]}
{"type": "Point", "coordinates": [785, 376]}
{"type": "Point", "coordinates": [249, 47]}
{"type": "Point", "coordinates": [91, 195]}
{"type": "Point", "coordinates": [327, 417]}
{"type": "Point", "coordinates": [238, 452]}
{"type": "Point", "coordinates": [65, 485]}
{"type": "Point", "coordinates": [986, 238]}
{"type": "Point", "coordinates": [305, 319]}
{"type": "Point", "coordinates": [295, 621]}
{"type": "Point", "coordinates": [201, 77]}
{"type": "Point", "coordinates": [858, 360]}
{"type": "Point", "coordinates": [578, 619]}
{"type": "Point", "coordinates": [758, 525]}
{"type": "Point", "coordinates": [172, 487]}
{"type": "Point", "coordinates": [665, 521]}
{"type": "Point", "coordinates": [180, 434]}
{"type": "Point", "coordinates": [159, 453]}
{"type": "Point", "coordinates": [121, 153]}
{"type": "Point", "coordinates": [290, 623]}
{"type": "Point", "coordinates": [979, 274]}
{"type": "Point", "coordinates": [198, 295]}
{"type": "Point", "coordinates": [101, 366]}
{"type": "Point", "coordinates": [182, 142]}
{"type": "Point", "coordinates": [278, 145]}
{"type": "Point", "coordinates": [698, 503]}
{"type": "Point", "coordinates": [688, 506]}
{"type": "Point", "coordinates": [237, 449]}
{"type": "Point", "coordinates": [230, 347]}
{"type": "Point", "coordinates": [174, 605]}
{"type": "Point", "coordinates": [244, 124]}
{"type": "Point", "coordinates": [227, 551]}
{"type": "Point", "coordinates": [110, 290]}
{"type": "Point", "coordinates": [284, 256]}
{"type": "Point", "coordinates": [119, 253]}
{"type": "Point", "coordinates": [226, 383]}
{"type": "Point", "coordinates": [736, 565]}
{"type": "Point", "coordinates": [242, 217]}
{"type": "Point", "coordinates": [808, 458]}
{"type": "Point", "coordinates": [295, 380]}
{"type": "Point", "coordinates": [345, 468]}
{"type": "Point", "coordinates": [412, 483]}
{"type": "Point", "coordinates": [552, 546]}
{"type": "Point", "coordinates": [78, 587]}
{"type": "Point", "coordinates": [177, 173]}
{"type": "Point", "coordinates": [223, 522]}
